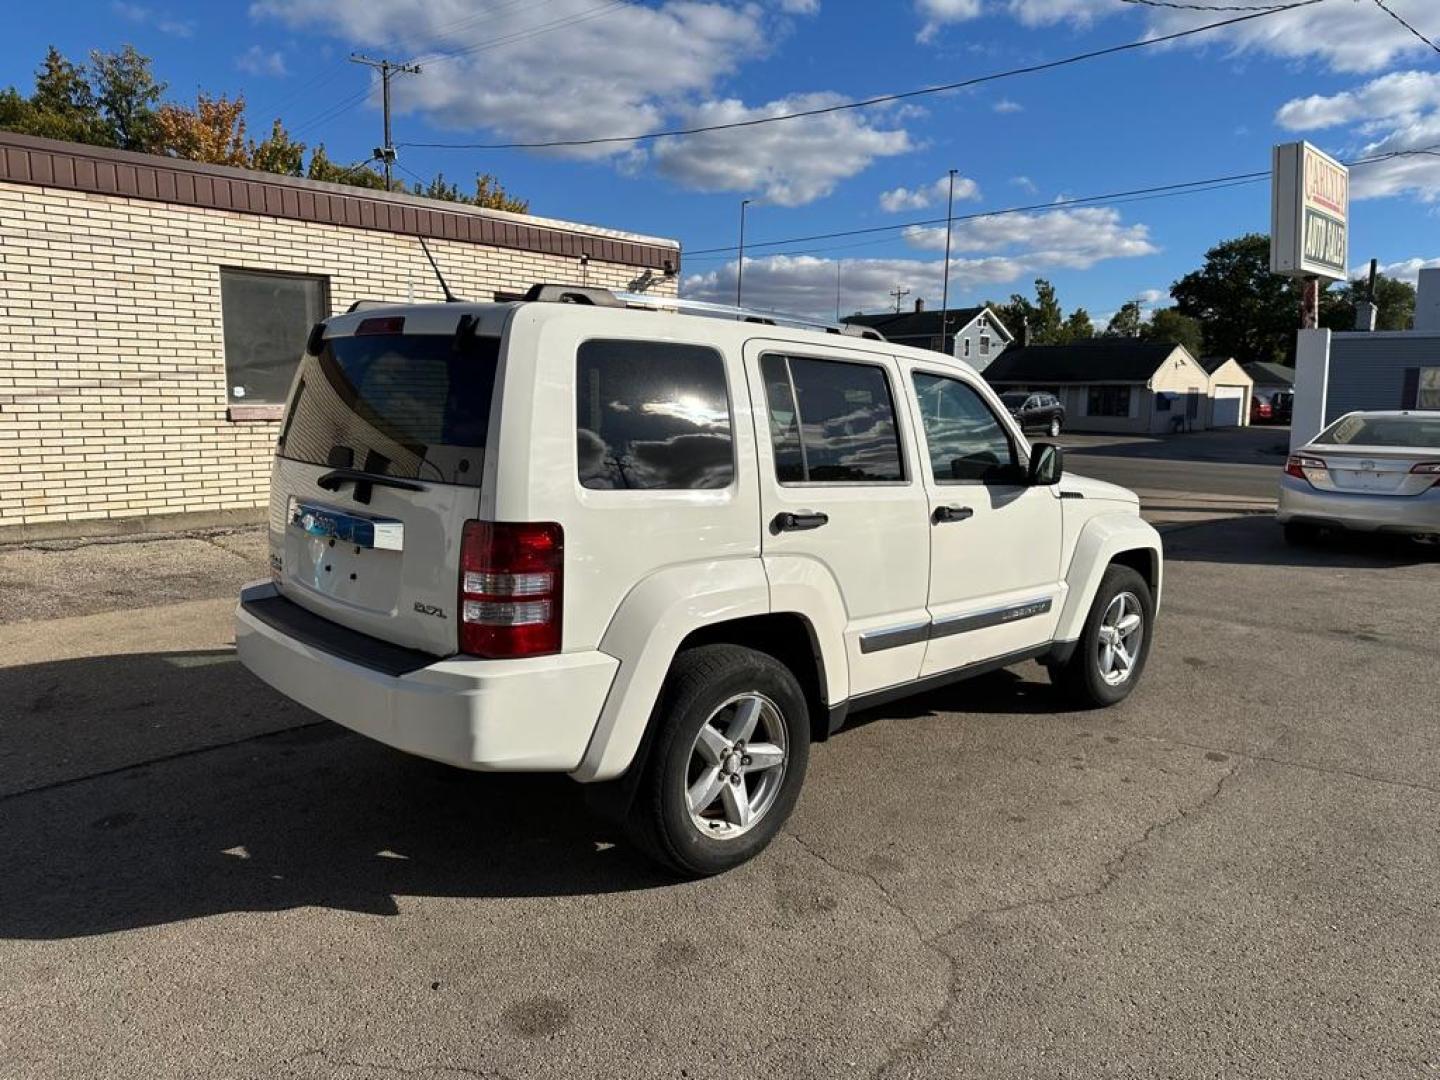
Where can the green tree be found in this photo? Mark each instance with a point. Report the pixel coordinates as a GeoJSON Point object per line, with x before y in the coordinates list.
{"type": "Point", "coordinates": [1169, 324]}
{"type": "Point", "coordinates": [1394, 298]}
{"type": "Point", "coordinates": [488, 193]}
{"type": "Point", "coordinates": [279, 153]}
{"type": "Point", "coordinates": [128, 97]}
{"type": "Point", "coordinates": [1125, 322]}
{"type": "Point", "coordinates": [62, 105]}
{"type": "Point", "coordinates": [1243, 309]}
{"type": "Point", "coordinates": [322, 168]}
{"type": "Point", "coordinates": [1078, 326]}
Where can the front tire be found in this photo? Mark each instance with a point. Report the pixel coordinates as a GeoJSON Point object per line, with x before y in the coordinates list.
{"type": "Point", "coordinates": [731, 749]}
{"type": "Point", "coordinates": [1054, 428]}
{"type": "Point", "coordinates": [1114, 644]}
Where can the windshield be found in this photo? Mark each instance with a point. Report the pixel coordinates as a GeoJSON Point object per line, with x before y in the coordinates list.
{"type": "Point", "coordinates": [1403, 431]}
{"type": "Point", "coordinates": [415, 406]}
{"type": "Point", "coordinates": [1014, 400]}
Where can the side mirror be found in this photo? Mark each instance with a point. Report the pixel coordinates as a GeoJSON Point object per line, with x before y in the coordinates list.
{"type": "Point", "coordinates": [1047, 464]}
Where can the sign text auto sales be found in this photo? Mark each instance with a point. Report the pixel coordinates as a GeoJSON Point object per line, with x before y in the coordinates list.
{"type": "Point", "coordinates": [1327, 204]}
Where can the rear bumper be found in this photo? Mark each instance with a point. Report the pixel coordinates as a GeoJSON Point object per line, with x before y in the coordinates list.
{"type": "Point", "coordinates": [1413, 514]}
{"type": "Point", "coordinates": [499, 715]}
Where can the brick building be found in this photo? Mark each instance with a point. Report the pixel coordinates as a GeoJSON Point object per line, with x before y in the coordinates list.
{"type": "Point", "coordinates": [152, 310]}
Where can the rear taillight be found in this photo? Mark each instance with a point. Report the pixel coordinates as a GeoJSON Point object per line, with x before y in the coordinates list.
{"type": "Point", "coordinates": [1301, 465]}
{"type": "Point", "coordinates": [1428, 468]}
{"type": "Point", "coordinates": [512, 579]}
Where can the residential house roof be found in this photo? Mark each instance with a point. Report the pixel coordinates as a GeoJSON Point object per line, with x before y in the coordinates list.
{"type": "Point", "coordinates": [1212, 364]}
{"type": "Point", "coordinates": [924, 324]}
{"type": "Point", "coordinates": [1265, 373]}
{"type": "Point", "coordinates": [1092, 360]}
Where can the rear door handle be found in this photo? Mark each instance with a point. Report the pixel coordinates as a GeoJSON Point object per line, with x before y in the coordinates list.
{"type": "Point", "coordinates": [800, 522]}
{"type": "Point", "coordinates": [945, 514]}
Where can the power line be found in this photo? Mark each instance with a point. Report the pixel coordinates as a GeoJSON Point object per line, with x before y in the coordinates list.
{"type": "Point", "coordinates": [880, 99]}
{"type": "Point", "coordinates": [522, 35]}
{"type": "Point", "coordinates": [1206, 7]}
{"type": "Point", "coordinates": [1187, 187]}
{"type": "Point", "coordinates": [1381, 5]}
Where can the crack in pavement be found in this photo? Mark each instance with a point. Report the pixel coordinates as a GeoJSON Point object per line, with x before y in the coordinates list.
{"type": "Point", "coordinates": [1111, 872]}
{"type": "Point", "coordinates": [402, 1070]}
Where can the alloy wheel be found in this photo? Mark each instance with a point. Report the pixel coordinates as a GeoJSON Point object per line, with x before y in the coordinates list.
{"type": "Point", "coordinates": [1122, 633]}
{"type": "Point", "coordinates": [737, 766]}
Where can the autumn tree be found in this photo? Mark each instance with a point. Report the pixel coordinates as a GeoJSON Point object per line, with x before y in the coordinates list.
{"type": "Point", "coordinates": [212, 131]}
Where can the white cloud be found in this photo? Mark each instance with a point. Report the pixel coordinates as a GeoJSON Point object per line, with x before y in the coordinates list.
{"type": "Point", "coordinates": [262, 62]}
{"type": "Point", "coordinates": [1405, 270]}
{"type": "Point", "coordinates": [1073, 239]}
{"type": "Point", "coordinates": [1395, 113]}
{"type": "Point", "coordinates": [619, 72]}
{"type": "Point", "coordinates": [1344, 36]}
{"type": "Point", "coordinates": [147, 16]}
{"type": "Point", "coordinates": [800, 7]}
{"type": "Point", "coordinates": [806, 284]}
{"type": "Point", "coordinates": [1005, 105]}
{"type": "Point", "coordinates": [1024, 183]}
{"type": "Point", "coordinates": [937, 13]}
{"type": "Point", "coordinates": [785, 164]}
{"type": "Point", "coordinates": [1151, 297]}
{"type": "Point", "coordinates": [1401, 93]}
{"type": "Point", "coordinates": [902, 199]}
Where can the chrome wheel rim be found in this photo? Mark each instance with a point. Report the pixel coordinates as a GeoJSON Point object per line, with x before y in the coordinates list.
{"type": "Point", "coordinates": [1054, 427]}
{"type": "Point", "coordinates": [1122, 633]}
{"type": "Point", "coordinates": [737, 765]}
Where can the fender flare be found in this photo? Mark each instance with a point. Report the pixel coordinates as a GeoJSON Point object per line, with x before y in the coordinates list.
{"type": "Point", "coordinates": [644, 634]}
{"type": "Point", "coordinates": [1101, 539]}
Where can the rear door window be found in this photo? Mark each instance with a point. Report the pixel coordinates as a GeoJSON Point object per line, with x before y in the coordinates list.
{"type": "Point", "coordinates": [652, 415]}
{"type": "Point", "coordinates": [415, 406]}
{"type": "Point", "coordinates": [831, 421]}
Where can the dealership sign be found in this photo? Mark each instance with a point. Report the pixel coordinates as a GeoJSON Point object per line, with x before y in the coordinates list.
{"type": "Point", "coordinates": [1309, 213]}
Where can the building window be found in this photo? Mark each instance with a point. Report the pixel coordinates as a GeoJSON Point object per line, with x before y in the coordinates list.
{"type": "Point", "coordinates": [966, 351]}
{"type": "Point", "coordinates": [1427, 394]}
{"type": "Point", "coordinates": [267, 317]}
{"type": "Point", "coordinates": [652, 415]}
{"type": "Point", "coordinates": [984, 344]}
{"type": "Point", "coordinates": [831, 422]}
{"type": "Point", "coordinates": [1108, 401]}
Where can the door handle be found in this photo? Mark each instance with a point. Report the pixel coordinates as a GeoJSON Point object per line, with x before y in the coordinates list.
{"type": "Point", "coordinates": [945, 514]}
{"type": "Point", "coordinates": [788, 522]}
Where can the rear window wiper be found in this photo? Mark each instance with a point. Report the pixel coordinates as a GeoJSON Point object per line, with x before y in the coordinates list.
{"type": "Point", "coordinates": [363, 482]}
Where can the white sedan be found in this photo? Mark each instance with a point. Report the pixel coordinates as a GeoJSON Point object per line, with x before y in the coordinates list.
{"type": "Point", "coordinates": [1367, 472]}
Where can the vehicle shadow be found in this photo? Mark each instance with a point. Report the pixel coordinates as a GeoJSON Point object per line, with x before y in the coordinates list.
{"type": "Point", "coordinates": [1256, 445]}
{"type": "Point", "coordinates": [307, 816]}
{"type": "Point", "coordinates": [1257, 540]}
{"type": "Point", "coordinates": [1025, 691]}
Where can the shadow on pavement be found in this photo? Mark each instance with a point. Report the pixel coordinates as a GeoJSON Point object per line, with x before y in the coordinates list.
{"type": "Point", "coordinates": [311, 816]}
{"type": "Point", "coordinates": [1261, 445]}
{"type": "Point", "coordinates": [1259, 541]}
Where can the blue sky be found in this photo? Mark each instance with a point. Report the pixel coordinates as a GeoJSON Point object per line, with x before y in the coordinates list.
{"type": "Point", "coordinates": [1341, 73]}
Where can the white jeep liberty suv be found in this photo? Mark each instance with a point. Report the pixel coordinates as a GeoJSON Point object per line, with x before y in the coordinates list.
{"type": "Point", "coordinates": [596, 534]}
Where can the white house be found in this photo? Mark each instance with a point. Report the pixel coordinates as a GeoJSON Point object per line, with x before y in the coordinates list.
{"type": "Point", "coordinates": [972, 334]}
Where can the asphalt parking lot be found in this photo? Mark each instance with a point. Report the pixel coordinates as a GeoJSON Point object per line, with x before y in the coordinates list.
{"type": "Point", "coordinates": [1236, 873]}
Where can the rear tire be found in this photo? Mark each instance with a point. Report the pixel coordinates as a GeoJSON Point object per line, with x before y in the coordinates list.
{"type": "Point", "coordinates": [1096, 675]}
{"type": "Point", "coordinates": [1298, 534]}
{"type": "Point", "coordinates": [701, 779]}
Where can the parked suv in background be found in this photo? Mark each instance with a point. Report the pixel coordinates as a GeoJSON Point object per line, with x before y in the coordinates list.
{"type": "Point", "coordinates": [664, 553]}
{"type": "Point", "coordinates": [1036, 411]}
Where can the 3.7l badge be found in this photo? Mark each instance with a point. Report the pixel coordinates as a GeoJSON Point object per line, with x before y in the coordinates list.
{"type": "Point", "coordinates": [429, 609]}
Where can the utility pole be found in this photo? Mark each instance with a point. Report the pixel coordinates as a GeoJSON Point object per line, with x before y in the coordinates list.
{"type": "Point", "coordinates": [387, 68]}
{"type": "Point", "coordinates": [838, 264]}
{"type": "Point", "coordinates": [899, 294]}
{"type": "Point", "coordinates": [945, 291]}
{"type": "Point", "coordinates": [740, 267]}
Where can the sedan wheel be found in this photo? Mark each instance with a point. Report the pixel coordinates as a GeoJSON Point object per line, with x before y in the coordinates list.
{"type": "Point", "coordinates": [1054, 427]}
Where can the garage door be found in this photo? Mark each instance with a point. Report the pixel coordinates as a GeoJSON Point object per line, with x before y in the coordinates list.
{"type": "Point", "coordinates": [1229, 408]}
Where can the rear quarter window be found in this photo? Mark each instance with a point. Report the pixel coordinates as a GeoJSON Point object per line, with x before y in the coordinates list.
{"type": "Point", "coordinates": [652, 415]}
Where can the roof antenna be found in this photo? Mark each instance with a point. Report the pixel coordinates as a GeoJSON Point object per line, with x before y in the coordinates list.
{"type": "Point", "coordinates": [450, 297]}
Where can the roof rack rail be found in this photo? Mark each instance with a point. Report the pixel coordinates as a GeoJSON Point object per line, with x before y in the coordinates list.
{"type": "Point", "coordinates": [366, 305]}
{"type": "Point", "coordinates": [683, 306]}
{"type": "Point", "coordinates": [601, 297]}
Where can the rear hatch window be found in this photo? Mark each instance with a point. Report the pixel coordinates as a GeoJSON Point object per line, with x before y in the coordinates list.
{"type": "Point", "coordinates": [412, 406]}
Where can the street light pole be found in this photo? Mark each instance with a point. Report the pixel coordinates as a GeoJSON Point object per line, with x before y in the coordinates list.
{"type": "Point", "coordinates": [945, 290]}
{"type": "Point", "coordinates": [740, 268]}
